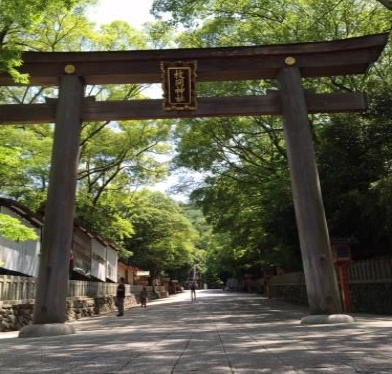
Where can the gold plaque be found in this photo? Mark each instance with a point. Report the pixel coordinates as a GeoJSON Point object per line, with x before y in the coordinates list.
{"type": "Point", "coordinates": [179, 81]}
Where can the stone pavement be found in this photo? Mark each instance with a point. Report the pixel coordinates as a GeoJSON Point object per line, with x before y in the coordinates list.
{"type": "Point", "coordinates": [220, 333]}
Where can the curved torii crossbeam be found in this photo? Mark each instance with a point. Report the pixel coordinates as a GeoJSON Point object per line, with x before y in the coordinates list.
{"type": "Point", "coordinates": [318, 59]}
{"type": "Point", "coordinates": [288, 64]}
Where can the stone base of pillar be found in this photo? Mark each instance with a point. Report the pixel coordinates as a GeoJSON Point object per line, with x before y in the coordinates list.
{"type": "Point", "coordinates": [322, 319]}
{"type": "Point", "coordinates": [50, 329]}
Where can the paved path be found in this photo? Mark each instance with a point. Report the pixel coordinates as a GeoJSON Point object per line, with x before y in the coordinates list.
{"type": "Point", "coordinates": [220, 333]}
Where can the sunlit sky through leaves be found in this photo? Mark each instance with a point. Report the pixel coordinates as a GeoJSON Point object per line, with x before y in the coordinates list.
{"type": "Point", "coordinates": [135, 12]}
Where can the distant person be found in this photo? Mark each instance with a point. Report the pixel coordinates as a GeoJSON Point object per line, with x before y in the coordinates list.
{"type": "Point", "coordinates": [172, 289]}
{"type": "Point", "coordinates": [143, 297]}
{"type": "Point", "coordinates": [120, 296]}
{"type": "Point", "coordinates": [193, 291]}
{"type": "Point", "coordinates": [71, 262]}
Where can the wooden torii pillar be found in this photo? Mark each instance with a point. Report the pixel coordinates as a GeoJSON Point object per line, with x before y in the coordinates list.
{"type": "Point", "coordinates": [51, 295]}
{"type": "Point", "coordinates": [288, 64]}
{"type": "Point", "coordinates": [309, 209]}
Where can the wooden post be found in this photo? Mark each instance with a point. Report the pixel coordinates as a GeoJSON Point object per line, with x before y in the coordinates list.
{"type": "Point", "coordinates": [50, 301]}
{"type": "Point", "coordinates": [320, 277]}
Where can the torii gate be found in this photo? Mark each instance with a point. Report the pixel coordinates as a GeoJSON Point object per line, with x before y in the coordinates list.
{"type": "Point", "coordinates": [288, 64]}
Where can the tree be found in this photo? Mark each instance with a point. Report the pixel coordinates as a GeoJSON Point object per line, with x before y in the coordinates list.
{"type": "Point", "coordinates": [164, 238]}
{"type": "Point", "coordinates": [265, 21]}
{"type": "Point", "coordinates": [354, 157]}
{"type": "Point", "coordinates": [12, 229]}
{"type": "Point", "coordinates": [115, 158]}
{"type": "Point", "coordinates": [21, 18]}
{"type": "Point", "coordinates": [246, 197]}
{"type": "Point", "coordinates": [204, 233]}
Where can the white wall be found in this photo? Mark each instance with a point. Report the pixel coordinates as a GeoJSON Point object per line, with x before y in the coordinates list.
{"type": "Point", "coordinates": [98, 259]}
{"type": "Point", "coordinates": [111, 257]}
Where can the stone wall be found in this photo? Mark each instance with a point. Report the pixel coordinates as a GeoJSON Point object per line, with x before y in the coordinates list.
{"type": "Point", "coordinates": [290, 287]}
{"type": "Point", "coordinates": [375, 297]}
{"type": "Point", "coordinates": [15, 315]}
{"type": "Point", "coordinates": [293, 293]}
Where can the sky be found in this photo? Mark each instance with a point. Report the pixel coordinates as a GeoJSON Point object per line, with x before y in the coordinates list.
{"type": "Point", "coordinates": [135, 12]}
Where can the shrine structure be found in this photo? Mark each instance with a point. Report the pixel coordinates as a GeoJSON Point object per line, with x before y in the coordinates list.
{"type": "Point", "coordinates": [180, 70]}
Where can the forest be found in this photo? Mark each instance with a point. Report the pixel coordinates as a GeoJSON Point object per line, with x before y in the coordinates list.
{"type": "Point", "coordinates": [239, 217]}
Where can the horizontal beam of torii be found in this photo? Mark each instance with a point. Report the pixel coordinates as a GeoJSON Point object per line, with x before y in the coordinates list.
{"type": "Point", "coordinates": [207, 107]}
{"type": "Point", "coordinates": [314, 59]}
{"type": "Point", "coordinates": [287, 64]}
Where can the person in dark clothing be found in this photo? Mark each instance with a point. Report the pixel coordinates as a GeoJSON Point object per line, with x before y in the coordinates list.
{"type": "Point", "coordinates": [193, 291]}
{"type": "Point", "coordinates": [71, 262]}
{"type": "Point", "coordinates": [120, 296]}
{"type": "Point", "coordinates": [143, 297]}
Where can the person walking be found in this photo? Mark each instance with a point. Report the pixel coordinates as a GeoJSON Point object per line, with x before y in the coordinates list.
{"type": "Point", "coordinates": [143, 297]}
{"type": "Point", "coordinates": [120, 296]}
{"type": "Point", "coordinates": [193, 291]}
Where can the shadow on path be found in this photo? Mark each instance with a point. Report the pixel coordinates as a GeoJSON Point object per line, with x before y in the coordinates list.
{"type": "Point", "coordinates": [219, 333]}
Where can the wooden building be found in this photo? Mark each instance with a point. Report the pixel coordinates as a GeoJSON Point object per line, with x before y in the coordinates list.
{"type": "Point", "coordinates": [91, 257]}
{"type": "Point", "coordinates": [80, 255]}
{"type": "Point", "coordinates": [112, 262]}
{"type": "Point", "coordinates": [20, 257]}
{"type": "Point", "coordinates": [98, 258]}
{"type": "Point", "coordinates": [128, 272]}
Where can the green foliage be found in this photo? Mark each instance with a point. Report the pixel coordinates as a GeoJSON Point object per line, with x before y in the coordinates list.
{"type": "Point", "coordinates": [246, 197]}
{"type": "Point", "coordinates": [12, 229]}
{"type": "Point", "coordinates": [114, 161]}
{"type": "Point", "coordinates": [122, 156]}
{"type": "Point", "coordinates": [164, 238]}
{"type": "Point", "coordinates": [26, 179]}
{"type": "Point", "coordinates": [105, 216]}
{"type": "Point", "coordinates": [9, 161]}
{"type": "Point", "coordinates": [249, 196]}
{"type": "Point", "coordinates": [229, 22]}
{"type": "Point", "coordinates": [204, 232]}
{"type": "Point", "coordinates": [20, 19]}
{"type": "Point", "coordinates": [354, 160]}
{"type": "Point", "coordinates": [160, 35]}
{"type": "Point", "coordinates": [115, 158]}
{"type": "Point", "coordinates": [118, 36]}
